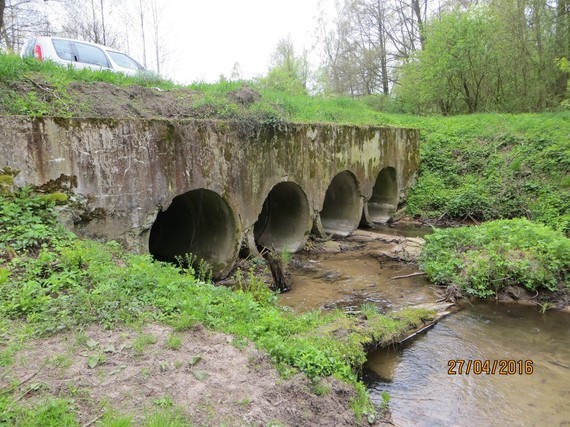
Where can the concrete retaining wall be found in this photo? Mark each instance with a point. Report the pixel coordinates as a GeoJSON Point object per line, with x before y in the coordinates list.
{"type": "Point", "coordinates": [130, 170]}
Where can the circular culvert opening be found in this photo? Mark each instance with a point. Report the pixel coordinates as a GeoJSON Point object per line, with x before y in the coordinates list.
{"type": "Point", "coordinates": [343, 205]}
{"type": "Point", "coordinates": [284, 219]}
{"type": "Point", "coordinates": [385, 196]}
{"type": "Point", "coordinates": [199, 222]}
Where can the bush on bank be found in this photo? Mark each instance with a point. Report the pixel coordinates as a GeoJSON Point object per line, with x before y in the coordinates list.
{"type": "Point", "coordinates": [483, 259]}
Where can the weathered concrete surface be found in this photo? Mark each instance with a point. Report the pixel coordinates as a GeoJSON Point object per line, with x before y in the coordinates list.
{"type": "Point", "coordinates": [130, 170]}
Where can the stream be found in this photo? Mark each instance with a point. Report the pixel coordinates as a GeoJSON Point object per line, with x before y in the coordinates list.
{"type": "Point", "coordinates": [415, 373]}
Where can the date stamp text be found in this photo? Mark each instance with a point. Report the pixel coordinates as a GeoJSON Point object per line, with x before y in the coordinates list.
{"type": "Point", "coordinates": [489, 367]}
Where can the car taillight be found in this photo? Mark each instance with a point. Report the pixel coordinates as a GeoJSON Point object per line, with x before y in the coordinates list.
{"type": "Point", "coordinates": [38, 52]}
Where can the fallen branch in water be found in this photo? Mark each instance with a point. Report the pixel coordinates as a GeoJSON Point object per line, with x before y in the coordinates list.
{"type": "Point", "coordinates": [281, 283]}
{"type": "Point", "coordinates": [419, 273]}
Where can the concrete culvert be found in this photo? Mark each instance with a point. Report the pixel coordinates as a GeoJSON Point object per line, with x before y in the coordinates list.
{"type": "Point", "coordinates": [343, 205]}
{"type": "Point", "coordinates": [385, 196]}
{"type": "Point", "coordinates": [198, 222]}
{"type": "Point", "coordinates": [284, 221]}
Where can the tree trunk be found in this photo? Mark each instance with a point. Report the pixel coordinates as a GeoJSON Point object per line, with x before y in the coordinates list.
{"type": "Point", "coordinates": [562, 42]}
{"type": "Point", "coordinates": [418, 13]}
{"type": "Point", "coordinates": [2, 7]}
{"type": "Point", "coordinates": [142, 31]}
{"type": "Point", "coordinates": [383, 54]}
{"type": "Point", "coordinates": [103, 24]}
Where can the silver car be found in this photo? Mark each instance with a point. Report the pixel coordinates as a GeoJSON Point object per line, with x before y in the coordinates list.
{"type": "Point", "coordinates": [80, 54]}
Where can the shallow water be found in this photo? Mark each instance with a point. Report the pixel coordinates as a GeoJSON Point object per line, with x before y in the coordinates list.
{"type": "Point", "coordinates": [349, 279]}
{"type": "Point", "coordinates": [424, 394]}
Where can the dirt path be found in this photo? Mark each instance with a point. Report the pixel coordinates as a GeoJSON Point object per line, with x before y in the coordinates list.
{"type": "Point", "coordinates": [203, 375]}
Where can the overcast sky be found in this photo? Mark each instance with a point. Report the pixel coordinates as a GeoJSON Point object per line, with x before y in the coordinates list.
{"type": "Point", "coordinates": [204, 39]}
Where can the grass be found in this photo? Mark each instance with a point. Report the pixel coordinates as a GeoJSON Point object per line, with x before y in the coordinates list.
{"type": "Point", "coordinates": [174, 342]}
{"type": "Point", "coordinates": [142, 341]}
{"type": "Point", "coordinates": [56, 412]}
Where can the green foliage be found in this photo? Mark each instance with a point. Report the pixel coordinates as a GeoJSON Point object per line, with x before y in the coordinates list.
{"type": "Point", "coordinates": [142, 341]}
{"type": "Point", "coordinates": [254, 286]}
{"type": "Point", "coordinates": [166, 418]}
{"type": "Point", "coordinates": [487, 167]}
{"type": "Point", "coordinates": [498, 56]}
{"type": "Point", "coordinates": [48, 413]}
{"type": "Point", "coordinates": [6, 183]}
{"type": "Point", "coordinates": [194, 267]}
{"type": "Point", "coordinates": [283, 80]}
{"type": "Point", "coordinates": [362, 407]}
{"type": "Point", "coordinates": [28, 223]}
{"type": "Point", "coordinates": [564, 65]}
{"type": "Point", "coordinates": [483, 259]}
{"type": "Point", "coordinates": [451, 73]}
{"type": "Point", "coordinates": [174, 342]}
{"type": "Point", "coordinates": [289, 71]}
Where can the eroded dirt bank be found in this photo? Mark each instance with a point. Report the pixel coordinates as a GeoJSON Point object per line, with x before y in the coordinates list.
{"type": "Point", "coordinates": [208, 377]}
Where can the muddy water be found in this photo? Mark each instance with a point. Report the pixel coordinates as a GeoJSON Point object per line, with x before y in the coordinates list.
{"type": "Point", "coordinates": [349, 279]}
{"type": "Point", "coordinates": [424, 394]}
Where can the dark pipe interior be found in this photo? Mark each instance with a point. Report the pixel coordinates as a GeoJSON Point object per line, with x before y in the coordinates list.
{"type": "Point", "coordinates": [199, 222]}
{"type": "Point", "coordinates": [385, 196]}
{"type": "Point", "coordinates": [284, 218]}
{"type": "Point", "coordinates": [342, 206]}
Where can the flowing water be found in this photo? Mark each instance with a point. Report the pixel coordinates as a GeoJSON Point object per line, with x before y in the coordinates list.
{"type": "Point", "coordinates": [415, 374]}
{"type": "Point", "coordinates": [423, 393]}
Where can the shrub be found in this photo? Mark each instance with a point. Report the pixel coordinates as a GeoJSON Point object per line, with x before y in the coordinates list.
{"type": "Point", "coordinates": [28, 223]}
{"type": "Point", "coordinates": [483, 259]}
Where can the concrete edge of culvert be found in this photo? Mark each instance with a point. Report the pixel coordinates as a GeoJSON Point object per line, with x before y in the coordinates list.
{"type": "Point", "coordinates": [199, 222]}
{"type": "Point", "coordinates": [342, 207]}
{"type": "Point", "coordinates": [385, 196]}
{"type": "Point", "coordinates": [284, 222]}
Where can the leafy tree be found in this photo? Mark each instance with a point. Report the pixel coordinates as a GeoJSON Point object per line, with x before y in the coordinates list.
{"type": "Point", "coordinates": [289, 72]}
{"type": "Point", "coordinates": [526, 39]}
{"type": "Point", "coordinates": [454, 72]}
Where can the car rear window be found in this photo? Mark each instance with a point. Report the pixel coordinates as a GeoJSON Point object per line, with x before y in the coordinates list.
{"type": "Point", "coordinates": [124, 61]}
{"type": "Point", "coordinates": [91, 55]}
{"type": "Point", "coordinates": [64, 49]}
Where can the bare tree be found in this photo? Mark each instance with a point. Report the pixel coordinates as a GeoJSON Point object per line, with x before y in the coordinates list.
{"type": "Point", "coordinates": [20, 19]}
{"type": "Point", "coordinates": [91, 22]}
{"type": "Point", "coordinates": [2, 7]}
{"type": "Point", "coordinates": [156, 24]}
{"type": "Point", "coordinates": [357, 55]}
{"type": "Point", "coordinates": [142, 19]}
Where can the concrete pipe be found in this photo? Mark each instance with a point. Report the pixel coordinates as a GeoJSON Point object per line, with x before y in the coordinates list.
{"type": "Point", "coordinates": [199, 222]}
{"type": "Point", "coordinates": [342, 206]}
{"type": "Point", "coordinates": [385, 196]}
{"type": "Point", "coordinates": [284, 221]}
